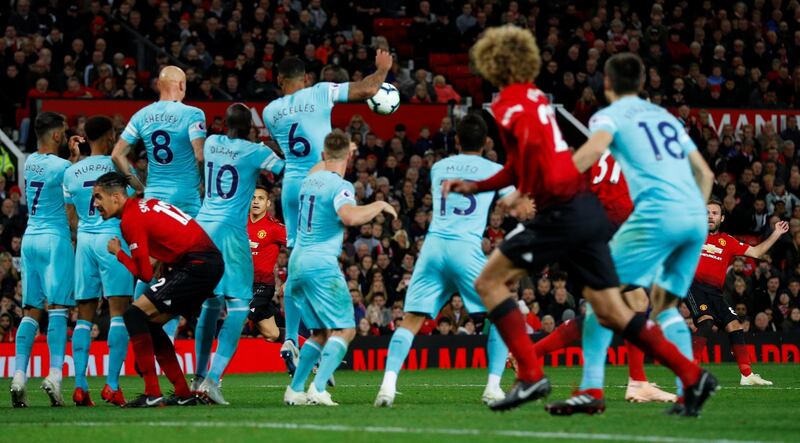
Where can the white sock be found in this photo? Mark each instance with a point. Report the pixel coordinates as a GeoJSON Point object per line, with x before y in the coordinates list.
{"type": "Point", "coordinates": [21, 375]}
{"type": "Point", "coordinates": [55, 373]}
{"type": "Point", "coordinates": [493, 382]}
{"type": "Point", "coordinates": [389, 381]}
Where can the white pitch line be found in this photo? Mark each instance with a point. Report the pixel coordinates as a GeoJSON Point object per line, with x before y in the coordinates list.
{"type": "Point", "coordinates": [394, 430]}
{"type": "Point", "coordinates": [463, 385]}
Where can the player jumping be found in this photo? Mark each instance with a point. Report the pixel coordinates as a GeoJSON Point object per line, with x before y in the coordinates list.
{"type": "Point", "coordinates": [173, 135]}
{"type": "Point", "coordinates": [299, 122]}
{"type": "Point", "coordinates": [233, 165]}
{"type": "Point", "coordinates": [267, 236]}
{"type": "Point", "coordinates": [570, 225]}
{"type": "Point", "coordinates": [451, 259]}
{"type": "Point", "coordinates": [190, 268]}
{"type": "Point", "coordinates": [96, 272]}
{"type": "Point", "coordinates": [327, 206]}
{"type": "Point", "coordinates": [47, 257]}
{"type": "Point", "coordinates": [705, 299]}
{"type": "Point", "coordinates": [659, 245]}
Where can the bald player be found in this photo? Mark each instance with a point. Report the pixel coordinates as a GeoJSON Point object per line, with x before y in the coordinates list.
{"type": "Point", "coordinates": [173, 134]}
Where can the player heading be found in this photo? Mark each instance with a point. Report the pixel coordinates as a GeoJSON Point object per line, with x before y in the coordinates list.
{"type": "Point", "coordinates": [507, 55]}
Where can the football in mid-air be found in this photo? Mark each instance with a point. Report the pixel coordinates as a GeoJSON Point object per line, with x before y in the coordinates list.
{"type": "Point", "coordinates": [386, 101]}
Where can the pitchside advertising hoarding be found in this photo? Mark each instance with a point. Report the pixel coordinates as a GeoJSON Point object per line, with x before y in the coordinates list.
{"type": "Point", "coordinates": [719, 118]}
{"type": "Point", "coordinates": [413, 116]}
{"type": "Point", "coordinates": [369, 354]}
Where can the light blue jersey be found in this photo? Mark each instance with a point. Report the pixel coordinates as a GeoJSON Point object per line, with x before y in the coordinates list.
{"type": "Point", "coordinates": [167, 129]}
{"type": "Point", "coordinates": [660, 242]}
{"type": "Point", "coordinates": [320, 232]}
{"type": "Point", "coordinates": [451, 257]}
{"type": "Point", "coordinates": [232, 169]}
{"type": "Point", "coordinates": [299, 123]}
{"type": "Point", "coordinates": [79, 182]}
{"type": "Point", "coordinates": [44, 178]}
{"type": "Point", "coordinates": [652, 147]}
{"type": "Point", "coordinates": [459, 216]}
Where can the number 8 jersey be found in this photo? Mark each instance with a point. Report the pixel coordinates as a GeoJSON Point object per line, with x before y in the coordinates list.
{"type": "Point", "coordinates": [167, 129]}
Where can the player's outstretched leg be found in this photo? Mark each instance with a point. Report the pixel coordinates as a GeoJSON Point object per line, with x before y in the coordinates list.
{"type": "Point", "coordinates": [81, 340]}
{"type": "Point", "coordinates": [228, 341]}
{"type": "Point", "coordinates": [204, 335]}
{"type": "Point", "coordinates": [399, 346]}
{"type": "Point", "coordinates": [589, 398]}
{"type": "Point", "coordinates": [332, 355]}
{"type": "Point", "coordinates": [497, 353]}
{"type": "Point", "coordinates": [309, 356]}
{"type": "Point", "coordinates": [26, 334]}
{"type": "Point", "coordinates": [57, 345]}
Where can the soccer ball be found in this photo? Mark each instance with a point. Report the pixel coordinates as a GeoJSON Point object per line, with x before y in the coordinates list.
{"type": "Point", "coordinates": [386, 101]}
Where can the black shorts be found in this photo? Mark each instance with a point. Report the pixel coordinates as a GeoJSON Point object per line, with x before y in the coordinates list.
{"type": "Point", "coordinates": [574, 234]}
{"type": "Point", "coordinates": [707, 300]}
{"type": "Point", "coordinates": [187, 284]}
{"type": "Point", "coordinates": [261, 306]}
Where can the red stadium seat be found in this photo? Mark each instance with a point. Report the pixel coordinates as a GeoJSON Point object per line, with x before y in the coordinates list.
{"type": "Point", "coordinates": [143, 77]}
{"type": "Point", "coordinates": [460, 58]}
{"type": "Point", "coordinates": [405, 50]}
{"type": "Point", "coordinates": [458, 71]}
{"type": "Point", "coordinates": [130, 62]}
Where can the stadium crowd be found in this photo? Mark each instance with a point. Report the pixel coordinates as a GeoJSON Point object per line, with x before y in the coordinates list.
{"type": "Point", "coordinates": [698, 54]}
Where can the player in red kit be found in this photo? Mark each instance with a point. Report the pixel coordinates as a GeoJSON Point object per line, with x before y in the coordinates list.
{"type": "Point", "coordinates": [608, 183]}
{"type": "Point", "coordinates": [570, 226]}
{"type": "Point", "coordinates": [190, 268]}
{"type": "Point", "coordinates": [267, 236]}
{"type": "Point", "coordinates": [705, 298]}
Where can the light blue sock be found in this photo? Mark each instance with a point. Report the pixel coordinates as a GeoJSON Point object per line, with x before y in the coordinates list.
{"type": "Point", "coordinates": [332, 355]}
{"type": "Point", "coordinates": [141, 287]}
{"type": "Point", "coordinates": [497, 352]}
{"type": "Point", "coordinates": [292, 313]}
{"type": "Point", "coordinates": [229, 336]}
{"type": "Point", "coordinates": [398, 349]}
{"type": "Point", "coordinates": [81, 340]}
{"type": "Point", "coordinates": [171, 327]}
{"type": "Point", "coordinates": [117, 350]}
{"type": "Point", "coordinates": [26, 334]}
{"type": "Point", "coordinates": [57, 337]}
{"type": "Point", "coordinates": [675, 330]}
{"type": "Point", "coordinates": [309, 355]}
{"type": "Point", "coordinates": [204, 334]}
{"type": "Point", "coordinates": [596, 340]}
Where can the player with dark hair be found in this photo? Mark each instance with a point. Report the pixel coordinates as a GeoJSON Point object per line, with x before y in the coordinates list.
{"type": "Point", "coordinates": [96, 272]}
{"type": "Point", "coordinates": [327, 206]}
{"type": "Point", "coordinates": [47, 256]}
{"type": "Point", "coordinates": [190, 268]}
{"type": "Point", "coordinates": [298, 123]}
{"type": "Point", "coordinates": [705, 299]}
{"type": "Point", "coordinates": [570, 225]}
{"type": "Point", "coordinates": [451, 259]}
{"type": "Point", "coordinates": [267, 236]}
{"type": "Point", "coordinates": [233, 165]}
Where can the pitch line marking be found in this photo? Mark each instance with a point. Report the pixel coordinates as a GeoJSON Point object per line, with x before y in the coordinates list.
{"type": "Point", "coordinates": [395, 430]}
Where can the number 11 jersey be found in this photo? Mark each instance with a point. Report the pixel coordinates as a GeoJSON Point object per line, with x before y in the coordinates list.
{"type": "Point", "coordinates": [167, 129]}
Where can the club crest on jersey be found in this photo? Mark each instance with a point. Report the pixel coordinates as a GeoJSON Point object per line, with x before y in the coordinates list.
{"type": "Point", "coordinates": [262, 234]}
{"type": "Point", "coordinates": [703, 307]}
{"type": "Point", "coordinates": [722, 242]}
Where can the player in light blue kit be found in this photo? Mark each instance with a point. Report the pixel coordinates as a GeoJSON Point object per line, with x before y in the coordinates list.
{"type": "Point", "coordinates": [659, 245]}
{"type": "Point", "coordinates": [233, 165]}
{"type": "Point", "coordinates": [47, 257]}
{"type": "Point", "coordinates": [451, 259]}
{"type": "Point", "coordinates": [173, 135]}
{"type": "Point", "coordinates": [96, 271]}
{"type": "Point", "coordinates": [298, 123]}
{"type": "Point", "coordinates": [327, 205]}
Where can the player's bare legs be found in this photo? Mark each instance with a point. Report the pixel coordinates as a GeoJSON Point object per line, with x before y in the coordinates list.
{"type": "Point", "coordinates": [269, 329]}
{"type": "Point", "coordinates": [81, 340]}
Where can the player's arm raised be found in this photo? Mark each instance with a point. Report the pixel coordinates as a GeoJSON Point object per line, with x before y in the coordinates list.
{"type": "Point", "coordinates": [352, 215]}
{"type": "Point", "coordinates": [120, 158]}
{"type": "Point", "coordinates": [762, 248]}
{"type": "Point", "coordinates": [702, 173]}
{"type": "Point", "coordinates": [592, 150]}
{"type": "Point", "coordinates": [369, 85]}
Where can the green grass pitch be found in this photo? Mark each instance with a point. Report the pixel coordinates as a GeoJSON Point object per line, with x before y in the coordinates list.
{"type": "Point", "coordinates": [434, 406]}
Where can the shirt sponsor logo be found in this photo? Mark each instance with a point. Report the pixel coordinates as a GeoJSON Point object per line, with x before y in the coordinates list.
{"type": "Point", "coordinates": [711, 249]}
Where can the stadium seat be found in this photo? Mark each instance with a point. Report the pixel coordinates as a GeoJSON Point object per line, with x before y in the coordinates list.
{"type": "Point", "coordinates": [439, 61]}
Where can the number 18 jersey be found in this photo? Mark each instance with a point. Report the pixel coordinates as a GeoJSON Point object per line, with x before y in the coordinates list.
{"type": "Point", "coordinates": [167, 129]}
{"type": "Point", "coordinates": [652, 147]}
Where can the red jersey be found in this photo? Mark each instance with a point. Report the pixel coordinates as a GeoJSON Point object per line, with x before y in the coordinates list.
{"type": "Point", "coordinates": [610, 186]}
{"type": "Point", "coordinates": [266, 238]}
{"type": "Point", "coordinates": [717, 255]}
{"type": "Point", "coordinates": [538, 160]}
{"type": "Point", "coordinates": [157, 229]}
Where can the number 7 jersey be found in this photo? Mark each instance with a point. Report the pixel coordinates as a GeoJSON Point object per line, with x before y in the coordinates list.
{"type": "Point", "coordinates": [79, 182]}
{"type": "Point", "coordinates": [44, 179]}
{"type": "Point", "coordinates": [652, 147]}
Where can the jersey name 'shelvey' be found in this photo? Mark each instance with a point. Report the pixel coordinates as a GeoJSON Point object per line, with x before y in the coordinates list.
{"type": "Point", "coordinates": [653, 148]}
{"type": "Point", "coordinates": [79, 180]}
{"type": "Point", "coordinates": [44, 192]}
{"type": "Point", "coordinates": [167, 129]}
{"type": "Point", "coordinates": [232, 169]}
{"type": "Point", "coordinates": [459, 216]}
{"type": "Point", "coordinates": [299, 123]}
